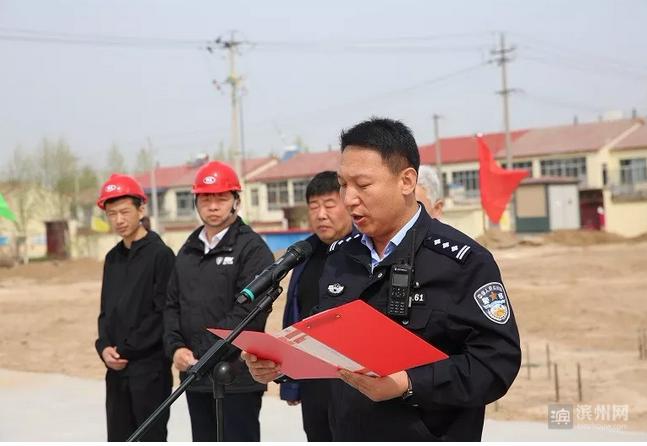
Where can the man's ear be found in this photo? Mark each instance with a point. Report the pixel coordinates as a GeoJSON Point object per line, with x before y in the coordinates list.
{"type": "Point", "coordinates": [408, 180]}
{"type": "Point", "coordinates": [236, 205]}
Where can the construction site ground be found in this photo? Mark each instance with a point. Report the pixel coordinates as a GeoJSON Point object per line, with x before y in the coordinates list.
{"type": "Point", "coordinates": [581, 294]}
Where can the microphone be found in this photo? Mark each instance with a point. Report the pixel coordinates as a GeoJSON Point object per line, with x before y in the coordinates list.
{"type": "Point", "coordinates": [295, 254]}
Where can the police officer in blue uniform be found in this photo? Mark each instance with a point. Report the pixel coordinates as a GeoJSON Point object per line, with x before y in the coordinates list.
{"type": "Point", "coordinates": [455, 300]}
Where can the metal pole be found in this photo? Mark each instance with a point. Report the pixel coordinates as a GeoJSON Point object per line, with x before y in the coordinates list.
{"type": "Point", "coordinates": [154, 204]}
{"type": "Point", "coordinates": [506, 119]}
{"type": "Point", "coordinates": [242, 129]}
{"type": "Point", "coordinates": [548, 359]}
{"type": "Point", "coordinates": [439, 158]}
{"type": "Point", "coordinates": [234, 80]}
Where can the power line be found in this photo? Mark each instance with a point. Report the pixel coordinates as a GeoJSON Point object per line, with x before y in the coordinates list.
{"type": "Point", "coordinates": [327, 47]}
{"type": "Point", "coordinates": [572, 53]}
{"type": "Point", "coordinates": [436, 80]}
{"type": "Point", "coordinates": [554, 61]}
{"type": "Point", "coordinates": [560, 103]}
{"type": "Point", "coordinates": [97, 38]}
{"type": "Point", "coordinates": [398, 91]}
{"type": "Point", "coordinates": [50, 37]}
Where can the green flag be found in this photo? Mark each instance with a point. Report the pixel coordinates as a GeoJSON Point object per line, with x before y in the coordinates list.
{"type": "Point", "coordinates": [5, 211]}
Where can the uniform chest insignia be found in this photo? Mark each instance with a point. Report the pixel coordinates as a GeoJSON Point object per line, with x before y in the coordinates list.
{"type": "Point", "coordinates": [493, 302]}
{"type": "Point", "coordinates": [224, 260]}
{"type": "Point", "coordinates": [335, 289]}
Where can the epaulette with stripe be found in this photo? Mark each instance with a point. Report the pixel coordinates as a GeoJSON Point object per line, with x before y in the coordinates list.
{"type": "Point", "coordinates": [336, 244]}
{"type": "Point", "coordinates": [457, 251]}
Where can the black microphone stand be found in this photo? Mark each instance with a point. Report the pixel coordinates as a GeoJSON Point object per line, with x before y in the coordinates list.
{"type": "Point", "coordinates": [215, 353]}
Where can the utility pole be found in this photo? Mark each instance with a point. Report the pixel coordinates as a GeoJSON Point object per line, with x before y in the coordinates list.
{"type": "Point", "coordinates": [502, 59]}
{"type": "Point", "coordinates": [155, 209]}
{"type": "Point", "coordinates": [235, 81]}
{"type": "Point", "coordinates": [242, 127]}
{"type": "Point", "coordinates": [439, 158]}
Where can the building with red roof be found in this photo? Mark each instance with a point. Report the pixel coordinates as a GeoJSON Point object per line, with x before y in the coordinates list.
{"type": "Point", "coordinates": [173, 184]}
{"type": "Point", "coordinates": [607, 158]}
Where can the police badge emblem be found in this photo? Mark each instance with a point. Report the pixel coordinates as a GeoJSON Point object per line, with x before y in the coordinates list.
{"type": "Point", "coordinates": [335, 289]}
{"type": "Point", "coordinates": [493, 302]}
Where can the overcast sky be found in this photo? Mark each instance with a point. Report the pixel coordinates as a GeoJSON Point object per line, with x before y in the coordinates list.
{"type": "Point", "coordinates": [310, 69]}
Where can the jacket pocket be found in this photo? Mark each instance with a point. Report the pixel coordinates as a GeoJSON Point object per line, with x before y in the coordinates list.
{"type": "Point", "coordinates": [426, 322]}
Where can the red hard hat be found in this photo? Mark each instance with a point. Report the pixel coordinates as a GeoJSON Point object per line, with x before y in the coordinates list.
{"type": "Point", "coordinates": [120, 186]}
{"type": "Point", "coordinates": [215, 177]}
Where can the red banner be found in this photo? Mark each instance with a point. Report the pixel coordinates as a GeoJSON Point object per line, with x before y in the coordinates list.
{"type": "Point", "coordinates": [497, 184]}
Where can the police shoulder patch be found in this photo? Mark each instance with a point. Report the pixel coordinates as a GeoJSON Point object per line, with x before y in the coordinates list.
{"type": "Point", "coordinates": [457, 251]}
{"type": "Point", "coordinates": [493, 302]}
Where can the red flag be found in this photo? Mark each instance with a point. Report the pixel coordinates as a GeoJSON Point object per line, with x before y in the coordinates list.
{"type": "Point", "coordinates": [497, 184]}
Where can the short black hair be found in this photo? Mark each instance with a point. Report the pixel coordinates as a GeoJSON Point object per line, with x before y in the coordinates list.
{"type": "Point", "coordinates": [323, 183]}
{"type": "Point", "coordinates": [136, 200]}
{"type": "Point", "coordinates": [392, 139]}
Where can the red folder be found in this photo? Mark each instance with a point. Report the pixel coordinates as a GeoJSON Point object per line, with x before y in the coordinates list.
{"type": "Point", "coordinates": [354, 336]}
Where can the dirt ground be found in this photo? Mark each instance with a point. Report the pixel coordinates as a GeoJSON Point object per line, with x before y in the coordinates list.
{"type": "Point", "coordinates": [585, 300]}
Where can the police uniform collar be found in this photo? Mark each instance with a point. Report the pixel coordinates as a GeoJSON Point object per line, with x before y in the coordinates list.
{"type": "Point", "coordinates": [403, 250]}
{"type": "Point", "coordinates": [354, 249]}
{"type": "Point", "coordinates": [354, 236]}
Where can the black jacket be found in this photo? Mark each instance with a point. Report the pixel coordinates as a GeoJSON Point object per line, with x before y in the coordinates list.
{"type": "Point", "coordinates": [466, 313]}
{"type": "Point", "coordinates": [201, 295]}
{"type": "Point", "coordinates": [133, 294]}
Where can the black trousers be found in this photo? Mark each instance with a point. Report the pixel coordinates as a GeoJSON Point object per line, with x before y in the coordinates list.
{"type": "Point", "coordinates": [315, 409]}
{"type": "Point", "coordinates": [241, 412]}
{"type": "Point", "coordinates": [131, 399]}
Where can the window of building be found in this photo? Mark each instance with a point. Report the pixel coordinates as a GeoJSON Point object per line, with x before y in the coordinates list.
{"type": "Point", "coordinates": [523, 165]}
{"type": "Point", "coordinates": [254, 196]}
{"type": "Point", "coordinates": [184, 203]}
{"type": "Point", "coordinates": [299, 189]}
{"type": "Point", "coordinates": [277, 194]}
{"type": "Point", "coordinates": [469, 179]}
{"type": "Point", "coordinates": [633, 170]}
{"type": "Point", "coordinates": [569, 167]}
{"type": "Point", "coordinates": [445, 185]}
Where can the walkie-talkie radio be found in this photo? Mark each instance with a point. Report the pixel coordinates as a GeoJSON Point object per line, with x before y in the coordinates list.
{"type": "Point", "coordinates": [398, 301]}
{"type": "Point", "coordinates": [397, 304]}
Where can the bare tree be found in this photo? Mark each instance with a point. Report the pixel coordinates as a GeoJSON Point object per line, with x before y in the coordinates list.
{"type": "Point", "coordinates": [56, 167]}
{"type": "Point", "coordinates": [20, 189]}
{"type": "Point", "coordinates": [144, 161]}
{"type": "Point", "coordinates": [115, 162]}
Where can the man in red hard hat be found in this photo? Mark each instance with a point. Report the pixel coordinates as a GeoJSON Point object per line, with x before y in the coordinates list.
{"type": "Point", "coordinates": [217, 261]}
{"type": "Point", "coordinates": [133, 294]}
